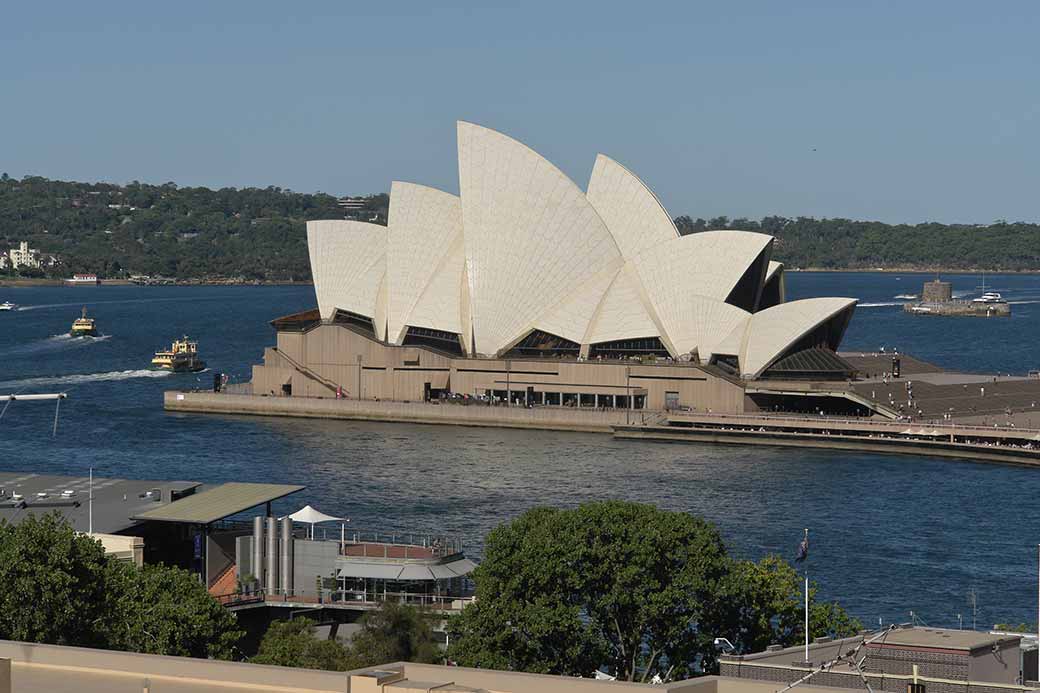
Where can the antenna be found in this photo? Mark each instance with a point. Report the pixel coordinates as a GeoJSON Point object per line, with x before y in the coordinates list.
{"type": "Point", "coordinates": [973, 602]}
{"type": "Point", "coordinates": [90, 504]}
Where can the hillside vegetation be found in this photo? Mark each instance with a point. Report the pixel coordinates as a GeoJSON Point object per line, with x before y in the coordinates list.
{"type": "Point", "coordinates": [260, 234]}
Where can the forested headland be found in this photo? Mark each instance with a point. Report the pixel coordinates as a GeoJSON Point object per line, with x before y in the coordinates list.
{"type": "Point", "coordinates": [260, 234]}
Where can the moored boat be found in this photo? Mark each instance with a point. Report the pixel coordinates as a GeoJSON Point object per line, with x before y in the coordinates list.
{"type": "Point", "coordinates": [181, 357]}
{"type": "Point", "coordinates": [83, 326]}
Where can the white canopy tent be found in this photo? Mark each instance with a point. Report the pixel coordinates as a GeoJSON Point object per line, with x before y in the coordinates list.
{"type": "Point", "coordinates": [310, 515]}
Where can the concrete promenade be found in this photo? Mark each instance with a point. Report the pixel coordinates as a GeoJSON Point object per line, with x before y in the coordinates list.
{"type": "Point", "coordinates": [544, 418]}
{"type": "Point", "coordinates": [968, 442]}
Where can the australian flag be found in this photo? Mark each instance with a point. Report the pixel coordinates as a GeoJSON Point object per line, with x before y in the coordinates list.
{"type": "Point", "coordinates": [803, 550]}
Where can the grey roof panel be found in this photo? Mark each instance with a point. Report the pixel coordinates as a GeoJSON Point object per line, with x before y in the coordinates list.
{"type": "Point", "coordinates": [219, 502]}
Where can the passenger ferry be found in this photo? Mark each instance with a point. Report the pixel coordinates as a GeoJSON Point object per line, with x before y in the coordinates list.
{"type": "Point", "coordinates": [83, 326]}
{"type": "Point", "coordinates": [181, 357]}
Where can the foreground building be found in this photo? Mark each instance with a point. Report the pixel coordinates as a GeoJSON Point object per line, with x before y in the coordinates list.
{"type": "Point", "coordinates": [616, 309]}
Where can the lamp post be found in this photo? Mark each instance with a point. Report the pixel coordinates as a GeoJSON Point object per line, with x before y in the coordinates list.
{"type": "Point", "coordinates": [628, 391]}
{"type": "Point", "coordinates": [361, 394]}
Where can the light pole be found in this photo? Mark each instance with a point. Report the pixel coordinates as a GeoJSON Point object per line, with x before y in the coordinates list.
{"type": "Point", "coordinates": [628, 391]}
{"type": "Point", "coordinates": [361, 395]}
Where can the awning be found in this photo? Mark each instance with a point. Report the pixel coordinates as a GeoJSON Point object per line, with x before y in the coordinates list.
{"type": "Point", "coordinates": [458, 568]}
{"type": "Point", "coordinates": [313, 516]}
{"type": "Point", "coordinates": [376, 571]}
{"type": "Point", "coordinates": [416, 572]}
{"type": "Point", "coordinates": [218, 502]}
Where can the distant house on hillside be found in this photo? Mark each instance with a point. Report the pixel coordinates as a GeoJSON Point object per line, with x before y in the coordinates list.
{"type": "Point", "coordinates": [24, 256]}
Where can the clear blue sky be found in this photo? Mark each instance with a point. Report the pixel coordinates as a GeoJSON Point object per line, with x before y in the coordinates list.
{"type": "Point", "coordinates": [898, 111]}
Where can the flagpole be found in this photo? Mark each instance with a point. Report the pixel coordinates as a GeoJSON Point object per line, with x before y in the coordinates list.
{"type": "Point", "coordinates": [807, 603]}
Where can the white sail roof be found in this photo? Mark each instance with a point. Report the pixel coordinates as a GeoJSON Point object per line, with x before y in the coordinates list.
{"type": "Point", "coordinates": [424, 226]}
{"type": "Point", "coordinates": [348, 261]}
{"type": "Point", "coordinates": [623, 312]}
{"type": "Point", "coordinates": [532, 238]}
{"type": "Point", "coordinates": [772, 331]}
{"type": "Point", "coordinates": [634, 215]}
{"type": "Point", "coordinates": [522, 248]}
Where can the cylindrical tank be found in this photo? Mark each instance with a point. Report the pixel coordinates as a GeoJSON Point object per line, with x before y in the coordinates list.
{"type": "Point", "coordinates": [258, 550]}
{"type": "Point", "coordinates": [287, 556]}
{"type": "Point", "coordinates": [272, 556]}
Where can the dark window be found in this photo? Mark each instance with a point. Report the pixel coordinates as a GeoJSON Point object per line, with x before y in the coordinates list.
{"type": "Point", "coordinates": [814, 363]}
{"type": "Point", "coordinates": [448, 342]}
{"type": "Point", "coordinates": [748, 289]}
{"type": "Point", "coordinates": [362, 323]}
{"type": "Point", "coordinates": [538, 343]}
{"type": "Point", "coordinates": [624, 348]}
{"type": "Point", "coordinates": [729, 364]}
{"type": "Point", "coordinates": [771, 292]}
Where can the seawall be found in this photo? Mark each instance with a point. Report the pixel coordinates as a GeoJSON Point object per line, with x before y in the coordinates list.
{"type": "Point", "coordinates": [969, 443]}
{"type": "Point", "coordinates": [551, 419]}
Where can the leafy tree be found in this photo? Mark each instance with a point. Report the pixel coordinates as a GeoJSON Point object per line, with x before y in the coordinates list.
{"type": "Point", "coordinates": [394, 633]}
{"type": "Point", "coordinates": [762, 603]}
{"type": "Point", "coordinates": [293, 644]}
{"type": "Point", "coordinates": [56, 584]}
{"type": "Point", "coordinates": [80, 596]}
{"type": "Point", "coordinates": [638, 590]}
{"type": "Point", "coordinates": [565, 591]}
{"type": "Point", "coordinates": [167, 611]}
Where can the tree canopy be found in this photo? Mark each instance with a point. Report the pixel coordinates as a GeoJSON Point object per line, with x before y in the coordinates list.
{"type": "Point", "coordinates": [626, 587]}
{"type": "Point", "coordinates": [392, 633]}
{"type": "Point", "coordinates": [82, 597]}
{"type": "Point", "coordinates": [260, 233]}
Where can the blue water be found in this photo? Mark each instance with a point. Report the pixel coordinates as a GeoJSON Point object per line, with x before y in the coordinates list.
{"type": "Point", "coordinates": [890, 534]}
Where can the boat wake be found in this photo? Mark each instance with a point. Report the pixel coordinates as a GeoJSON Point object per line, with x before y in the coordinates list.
{"type": "Point", "coordinates": [54, 343]}
{"type": "Point", "coordinates": [79, 378]}
{"type": "Point", "coordinates": [878, 305]}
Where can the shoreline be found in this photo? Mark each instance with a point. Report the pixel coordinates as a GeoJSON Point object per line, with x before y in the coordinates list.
{"type": "Point", "coordinates": [31, 282]}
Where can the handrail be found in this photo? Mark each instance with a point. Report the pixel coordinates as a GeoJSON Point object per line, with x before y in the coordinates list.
{"type": "Point", "coordinates": [304, 370]}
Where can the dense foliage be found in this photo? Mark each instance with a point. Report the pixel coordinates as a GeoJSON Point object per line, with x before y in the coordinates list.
{"type": "Point", "coordinates": [628, 588]}
{"type": "Point", "coordinates": [392, 633]}
{"type": "Point", "coordinates": [252, 233]}
{"type": "Point", "coordinates": [61, 588]}
{"type": "Point", "coordinates": [845, 244]}
{"type": "Point", "coordinates": [114, 230]}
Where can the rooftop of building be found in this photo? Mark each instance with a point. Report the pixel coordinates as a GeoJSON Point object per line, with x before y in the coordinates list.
{"type": "Point", "coordinates": [906, 636]}
{"type": "Point", "coordinates": [62, 669]}
{"type": "Point", "coordinates": [115, 500]}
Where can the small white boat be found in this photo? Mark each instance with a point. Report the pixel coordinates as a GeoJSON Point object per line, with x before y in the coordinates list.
{"type": "Point", "coordinates": [989, 297]}
{"type": "Point", "coordinates": [906, 297]}
{"type": "Point", "coordinates": [7, 305]}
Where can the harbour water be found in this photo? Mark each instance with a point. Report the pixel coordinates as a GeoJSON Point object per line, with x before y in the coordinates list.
{"type": "Point", "coordinates": [890, 534]}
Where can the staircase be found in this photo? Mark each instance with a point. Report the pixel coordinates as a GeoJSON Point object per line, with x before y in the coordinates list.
{"type": "Point", "coordinates": [225, 583]}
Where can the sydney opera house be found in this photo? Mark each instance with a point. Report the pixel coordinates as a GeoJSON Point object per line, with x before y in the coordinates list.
{"type": "Point", "coordinates": [526, 286]}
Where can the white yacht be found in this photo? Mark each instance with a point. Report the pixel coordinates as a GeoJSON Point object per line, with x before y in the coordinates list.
{"type": "Point", "coordinates": [989, 297]}
{"type": "Point", "coordinates": [7, 305]}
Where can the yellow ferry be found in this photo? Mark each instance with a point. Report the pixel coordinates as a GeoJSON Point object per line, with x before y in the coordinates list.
{"type": "Point", "coordinates": [83, 326]}
{"type": "Point", "coordinates": [181, 357]}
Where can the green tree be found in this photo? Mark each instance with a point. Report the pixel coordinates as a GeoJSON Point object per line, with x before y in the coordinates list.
{"type": "Point", "coordinates": [293, 644]}
{"type": "Point", "coordinates": [394, 633]}
{"type": "Point", "coordinates": [615, 583]}
{"type": "Point", "coordinates": [80, 596]}
{"type": "Point", "coordinates": [56, 584]}
{"type": "Point", "coordinates": [763, 603]}
{"type": "Point", "coordinates": [167, 611]}
{"type": "Point", "coordinates": [629, 587]}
